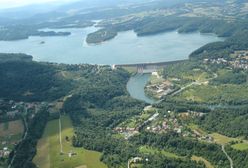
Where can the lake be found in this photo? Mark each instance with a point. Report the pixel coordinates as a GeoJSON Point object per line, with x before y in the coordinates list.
{"type": "Point", "coordinates": [125, 48]}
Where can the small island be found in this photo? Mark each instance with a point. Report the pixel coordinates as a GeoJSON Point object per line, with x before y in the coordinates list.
{"type": "Point", "coordinates": [101, 36]}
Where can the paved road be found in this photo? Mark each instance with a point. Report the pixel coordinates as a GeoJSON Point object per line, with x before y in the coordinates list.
{"type": "Point", "coordinates": [185, 87]}
{"type": "Point", "coordinates": [228, 157]}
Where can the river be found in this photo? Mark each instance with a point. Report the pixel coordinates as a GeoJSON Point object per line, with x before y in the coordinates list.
{"type": "Point", "coordinates": [127, 47]}
{"type": "Point", "coordinates": [136, 85]}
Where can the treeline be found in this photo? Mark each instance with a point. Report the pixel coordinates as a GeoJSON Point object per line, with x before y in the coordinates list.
{"type": "Point", "coordinates": [238, 41]}
{"type": "Point", "coordinates": [184, 147]}
{"type": "Point", "coordinates": [151, 25]}
{"type": "Point", "coordinates": [9, 57]}
{"type": "Point", "coordinates": [231, 122]}
{"type": "Point", "coordinates": [235, 32]}
{"type": "Point", "coordinates": [240, 158]}
{"type": "Point", "coordinates": [31, 81]}
{"type": "Point", "coordinates": [24, 152]}
{"type": "Point", "coordinates": [161, 161]}
{"type": "Point", "coordinates": [178, 106]}
{"type": "Point", "coordinates": [231, 77]}
{"type": "Point", "coordinates": [19, 32]}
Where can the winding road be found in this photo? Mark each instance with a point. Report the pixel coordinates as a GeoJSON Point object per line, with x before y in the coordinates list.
{"type": "Point", "coordinates": [228, 157]}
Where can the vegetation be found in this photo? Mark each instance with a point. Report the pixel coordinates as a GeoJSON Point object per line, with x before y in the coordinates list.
{"type": "Point", "coordinates": [101, 36]}
{"type": "Point", "coordinates": [240, 146]}
{"type": "Point", "coordinates": [49, 154]}
{"type": "Point", "coordinates": [200, 159]}
{"type": "Point", "coordinates": [216, 121]}
{"type": "Point", "coordinates": [153, 151]}
{"type": "Point", "coordinates": [26, 149]}
{"type": "Point", "coordinates": [95, 100]}
{"type": "Point", "coordinates": [23, 32]}
{"type": "Point", "coordinates": [183, 147]}
{"type": "Point", "coordinates": [22, 81]}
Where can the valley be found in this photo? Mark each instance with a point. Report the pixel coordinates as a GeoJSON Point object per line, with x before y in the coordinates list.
{"type": "Point", "coordinates": [86, 85]}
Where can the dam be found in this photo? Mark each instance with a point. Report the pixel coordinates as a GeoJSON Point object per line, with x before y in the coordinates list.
{"type": "Point", "coordinates": [143, 68]}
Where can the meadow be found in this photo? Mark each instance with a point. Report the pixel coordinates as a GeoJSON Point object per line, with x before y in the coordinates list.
{"type": "Point", "coordinates": [52, 154]}
{"type": "Point", "coordinates": [229, 93]}
{"type": "Point", "coordinates": [11, 132]}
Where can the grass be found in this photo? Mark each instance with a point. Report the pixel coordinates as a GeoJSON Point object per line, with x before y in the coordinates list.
{"type": "Point", "coordinates": [138, 119]}
{"type": "Point", "coordinates": [11, 132]}
{"type": "Point", "coordinates": [130, 69]}
{"type": "Point", "coordinates": [196, 127]}
{"type": "Point", "coordinates": [240, 146]}
{"type": "Point", "coordinates": [198, 159]}
{"type": "Point", "coordinates": [152, 151]}
{"type": "Point", "coordinates": [11, 128]}
{"type": "Point", "coordinates": [214, 94]}
{"type": "Point", "coordinates": [136, 165]}
{"type": "Point", "coordinates": [222, 139]}
{"type": "Point", "coordinates": [48, 150]}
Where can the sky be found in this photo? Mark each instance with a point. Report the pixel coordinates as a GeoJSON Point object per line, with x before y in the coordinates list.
{"type": "Point", "coordinates": [16, 3]}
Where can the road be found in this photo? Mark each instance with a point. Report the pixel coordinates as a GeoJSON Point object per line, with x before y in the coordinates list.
{"type": "Point", "coordinates": [228, 157]}
{"type": "Point", "coordinates": [194, 83]}
{"type": "Point", "coordinates": [185, 87]}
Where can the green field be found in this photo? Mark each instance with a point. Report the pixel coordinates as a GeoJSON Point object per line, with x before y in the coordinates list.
{"type": "Point", "coordinates": [196, 128]}
{"type": "Point", "coordinates": [240, 146]}
{"type": "Point", "coordinates": [152, 151]}
{"type": "Point", "coordinates": [214, 94]}
{"type": "Point", "coordinates": [222, 139]}
{"type": "Point", "coordinates": [11, 132]}
{"type": "Point", "coordinates": [49, 153]}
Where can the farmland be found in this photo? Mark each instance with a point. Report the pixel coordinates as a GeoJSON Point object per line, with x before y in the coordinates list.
{"type": "Point", "coordinates": [215, 94]}
{"type": "Point", "coordinates": [10, 133]}
{"type": "Point", "coordinates": [51, 155]}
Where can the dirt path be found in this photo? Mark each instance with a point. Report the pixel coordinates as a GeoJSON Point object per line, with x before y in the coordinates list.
{"type": "Point", "coordinates": [60, 136]}
{"type": "Point", "coordinates": [228, 157]}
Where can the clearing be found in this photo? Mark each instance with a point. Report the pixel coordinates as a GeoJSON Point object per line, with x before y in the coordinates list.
{"type": "Point", "coordinates": [240, 146]}
{"type": "Point", "coordinates": [207, 163]}
{"type": "Point", "coordinates": [152, 151]}
{"type": "Point", "coordinates": [48, 149]}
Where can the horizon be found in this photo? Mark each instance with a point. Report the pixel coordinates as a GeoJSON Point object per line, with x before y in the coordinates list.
{"type": "Point", "coordinates": [9, 4]}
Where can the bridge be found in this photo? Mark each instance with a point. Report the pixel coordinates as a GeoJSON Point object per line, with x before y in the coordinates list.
{"type": "Point", "coordinates": [146, 67]}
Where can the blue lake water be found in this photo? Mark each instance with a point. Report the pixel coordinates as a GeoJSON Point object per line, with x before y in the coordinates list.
{"type": "Point", "coordinates": [125, 48]}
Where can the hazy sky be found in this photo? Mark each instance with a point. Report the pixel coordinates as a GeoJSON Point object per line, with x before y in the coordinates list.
{"type": "Point", "coordinates": [15, 3]}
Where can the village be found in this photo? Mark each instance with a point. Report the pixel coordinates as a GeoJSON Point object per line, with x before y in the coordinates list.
{"type": "Point", "coordinates": [158, 87]}
{"type": "Point", "coordinates": [157, 123]}
{"type": "Point", "coordinates": [239, 60]}
{"type": "Point", "coordinates": [12, 126]}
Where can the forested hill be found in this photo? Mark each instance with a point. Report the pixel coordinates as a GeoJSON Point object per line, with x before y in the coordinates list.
{"type": "Point", "coordinates": [26, 80]}
{"type": "Point", "coordinates": [15, 57]}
